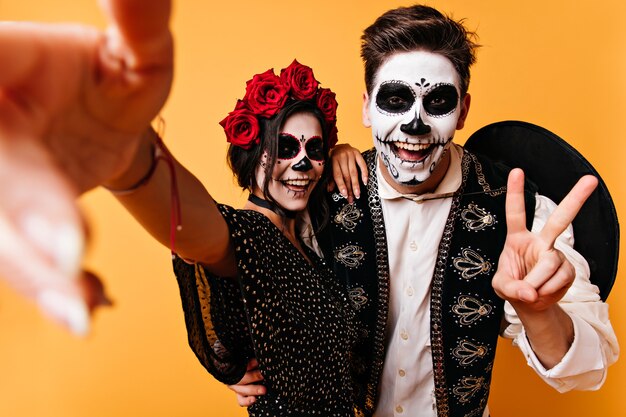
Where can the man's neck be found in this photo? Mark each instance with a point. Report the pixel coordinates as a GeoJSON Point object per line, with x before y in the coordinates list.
{"type": "Point", "coordinates": [428, 186]}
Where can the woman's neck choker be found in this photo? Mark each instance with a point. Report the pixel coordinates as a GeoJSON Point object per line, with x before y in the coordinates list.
{"type": "Point", "coordinates": [271, 206]}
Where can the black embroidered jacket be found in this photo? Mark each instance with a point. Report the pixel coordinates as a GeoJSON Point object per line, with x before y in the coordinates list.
{"type": "Point", "coordinates": [465, 311]}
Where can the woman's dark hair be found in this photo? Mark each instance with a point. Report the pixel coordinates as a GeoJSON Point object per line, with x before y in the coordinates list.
{"type": "Point", "coordinates": [244, 162]}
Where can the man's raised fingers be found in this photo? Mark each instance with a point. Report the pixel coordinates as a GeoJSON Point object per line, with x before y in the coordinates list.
{"type": "Point", "coordinates": [569, 207]}
{"type": "Point", "coordinates": [515, 208]}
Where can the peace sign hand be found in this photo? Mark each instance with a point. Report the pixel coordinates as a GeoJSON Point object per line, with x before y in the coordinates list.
{"type": "Point", "coordinates": [532, 275]}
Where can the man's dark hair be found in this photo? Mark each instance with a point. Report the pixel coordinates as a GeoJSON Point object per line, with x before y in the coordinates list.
{"type": "Point", "coordinates": [415, 28]}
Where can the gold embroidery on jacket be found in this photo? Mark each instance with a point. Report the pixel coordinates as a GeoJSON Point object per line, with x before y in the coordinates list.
{"type": "Point", "coordinates": [350, 256]}
{"type": "Point", "coordinates": [348, 217]}
{"type": "Point", "coordinates": [467, 352]}
{"type": "Point", "coordinates": [468, 387]}
{"type": "Point", "coordinates": [471, 264]}
{"type": "Point", "coordinates": [470, 310]}
{"type": "Point", "coordinates": [358, 297]}
{"type": "Point", "coordinates": [477, 218]}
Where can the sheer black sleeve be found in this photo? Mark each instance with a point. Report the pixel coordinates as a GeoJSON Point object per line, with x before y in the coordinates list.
{"type": "Point", "coordinates": [216, 322]}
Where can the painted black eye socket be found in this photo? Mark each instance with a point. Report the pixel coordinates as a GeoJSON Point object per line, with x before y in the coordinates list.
{"type": "Point", "coordinates": [288, 146]}
{"type": "Point", "coordinates": [395, 97]}
{"type": "Point", "coordinates": [315, 149]}
{"type": "Point", "coordinates": [441, 100]}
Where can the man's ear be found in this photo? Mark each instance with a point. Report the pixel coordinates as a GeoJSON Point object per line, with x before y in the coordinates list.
{"type": "Point", "coordinates": [366, 110]}
{"type": "Point", "coordinates": [465, 106]}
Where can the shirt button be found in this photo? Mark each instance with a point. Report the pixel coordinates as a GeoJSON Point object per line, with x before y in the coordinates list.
{"type": "Point", "coordinates": [401, 372]}
{"type": "Point", "coordinates": [399, 409]}
{"type": "Point", "coordinates": [413, 246]}
{"type": "Point", "coordinates": [409, 291]}
{"type": "Point", "coordinates": [404, 335]}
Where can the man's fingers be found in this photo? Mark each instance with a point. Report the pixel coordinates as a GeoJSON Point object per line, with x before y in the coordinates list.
{"type": "Point", "coordinates": [515, 208]}
{"type": "Point", "coordinates": [245, 401]}
{"type": "Point", "coordinates": [515, 290]}
{"type": "Point", "coordinates": [559, 282]}
{"type": "Point", "coordinates": [248, 389]}
{"type": "Point", "coordinates": [546, 266]}
{"type": "Point", "coordinates": [251, 377]}
{"type": "Point", "coordinates": [252, 364]}
{"type": "Point", "coordinates": [249, 386]}
{"type": "Point", "coordinates": [569, 207]}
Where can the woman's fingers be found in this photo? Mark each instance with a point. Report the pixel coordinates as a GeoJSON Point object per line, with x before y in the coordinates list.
{"type": "Point", "coordinates": [41, 234]}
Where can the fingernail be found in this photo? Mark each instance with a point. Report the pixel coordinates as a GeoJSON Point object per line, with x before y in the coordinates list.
{"type": "Point", "coordinates": [524, 295]}
{"type": "Point", "coordinates": [70, 312]}
{"type": "Point", "coordinates": [357, 195]}
{"type": "Point", "coordinates": [64, 243]}
{"type": "Point", "coordinates": [344, 193]}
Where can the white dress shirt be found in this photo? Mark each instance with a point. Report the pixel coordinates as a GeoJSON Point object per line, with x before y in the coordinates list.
{"type": "Point", "coordinates": [413, 235]}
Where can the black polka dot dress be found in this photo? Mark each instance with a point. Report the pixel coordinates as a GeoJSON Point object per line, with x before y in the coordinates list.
{"type": "Point", "coordinates": [289, 314]}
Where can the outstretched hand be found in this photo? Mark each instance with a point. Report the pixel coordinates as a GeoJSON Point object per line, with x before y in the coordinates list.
{"type": "Point", "coordinates": [532, 274]}
{"type": "Point", "coordinates": [73, 106]}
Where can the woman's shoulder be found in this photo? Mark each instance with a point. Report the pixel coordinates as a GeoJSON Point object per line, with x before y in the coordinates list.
{"type": "Point", "coordinates": [245, 222]}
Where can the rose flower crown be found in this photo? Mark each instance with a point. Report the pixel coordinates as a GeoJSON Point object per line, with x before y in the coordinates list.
{"type": "Point", "coordinates": [267, 94]}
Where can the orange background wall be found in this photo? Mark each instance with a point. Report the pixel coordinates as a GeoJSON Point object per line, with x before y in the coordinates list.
{"type": "Point", "coordinates": [559, 63]}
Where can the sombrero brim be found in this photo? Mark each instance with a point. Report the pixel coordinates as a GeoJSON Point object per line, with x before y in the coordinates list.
{"type": "Point", "coordinates": [555, 166]}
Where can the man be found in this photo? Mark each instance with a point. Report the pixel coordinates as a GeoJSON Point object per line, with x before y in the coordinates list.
{"type": "Point", "coordinates": [430, 287]}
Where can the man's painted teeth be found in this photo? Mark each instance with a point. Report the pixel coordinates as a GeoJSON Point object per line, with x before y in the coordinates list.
{"type": "Point", "coordinates": [414, 147]}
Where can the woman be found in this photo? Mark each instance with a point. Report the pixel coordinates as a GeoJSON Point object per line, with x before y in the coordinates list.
{"type": "Point", "coordinates": [250, 287]}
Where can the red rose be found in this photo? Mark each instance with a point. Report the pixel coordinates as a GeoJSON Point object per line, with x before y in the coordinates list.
{"type": "Point", "coordinates": [327, 104]}
{"type": "Point", "coordinates": [332, 136]}
{"type": "Point", "coordinates": [300, 80]}
{"type": "Point", "coordinates": [265, 94]}
{"type": "Point", "coordinates": [240, 105]}
{"type": "Point", "coordinates": [241, 127]}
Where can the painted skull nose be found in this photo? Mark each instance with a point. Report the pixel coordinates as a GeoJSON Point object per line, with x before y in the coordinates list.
{"type": "Point", "coordinates": [416, 127]}
{"type": "Point", "coordinates": [303, 166]}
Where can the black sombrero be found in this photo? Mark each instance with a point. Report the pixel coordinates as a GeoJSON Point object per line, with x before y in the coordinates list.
{"type": "Point", "coordinates": [555, 166]}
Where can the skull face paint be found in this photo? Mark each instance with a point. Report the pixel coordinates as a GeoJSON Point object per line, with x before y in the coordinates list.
{"type": "Point", "coordinates": [299, 164]}
{"type": "Point", "coordinates": [413, 111]}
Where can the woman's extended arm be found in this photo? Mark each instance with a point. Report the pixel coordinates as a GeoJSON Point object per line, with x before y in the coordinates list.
{"type": "Point", "coordinates": [203, 237]}
{"type": "Point", "coordinates": [75, 103]}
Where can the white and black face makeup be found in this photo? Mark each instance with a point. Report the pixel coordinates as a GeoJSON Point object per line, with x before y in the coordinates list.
{"type": "Point", "coordinates": [299, 163]}
{"type": "Point", "coordinates": [414, 110]}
